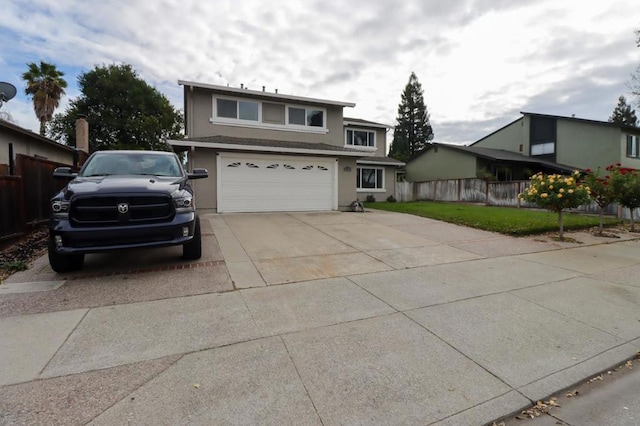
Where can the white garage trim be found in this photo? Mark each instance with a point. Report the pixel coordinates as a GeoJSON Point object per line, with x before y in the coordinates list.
{"type": "Point", "coordinates": [248, 182]}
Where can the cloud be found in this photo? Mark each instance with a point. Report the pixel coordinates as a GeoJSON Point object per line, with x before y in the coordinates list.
{"type": "Point", "coordinates": [480, 61]}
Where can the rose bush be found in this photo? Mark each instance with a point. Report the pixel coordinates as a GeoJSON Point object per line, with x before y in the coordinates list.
{"type": "Point", "coordinates": [556, 192]}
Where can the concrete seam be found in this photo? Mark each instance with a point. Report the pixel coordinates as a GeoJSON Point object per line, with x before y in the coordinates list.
{"type": "Point", "coordinates": [245, 252]}
{"type": "Point", "coordinates": [65, 341]}
{"type": "Point", "coordinates": [146, 382]}
{"type": "Point", "coordinates": [301, 381]}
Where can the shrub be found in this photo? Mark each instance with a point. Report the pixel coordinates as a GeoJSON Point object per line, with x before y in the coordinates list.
{"type": "Point", "coordinates": [371, 199]}
{"type": "Point", "coordinates": [626, 186]}
{"type": "Point", "coordinates": [556, 193]}
{"type": "Point", "coordinates": [602, 192]}
{"type": "Point", "coordinates": [391, 199]}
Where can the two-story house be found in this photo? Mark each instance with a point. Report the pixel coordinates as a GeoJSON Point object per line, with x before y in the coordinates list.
{"type": "Point", "coordinates": [532, 143]}
{"type": "Point", "coordinates": [267, 151]}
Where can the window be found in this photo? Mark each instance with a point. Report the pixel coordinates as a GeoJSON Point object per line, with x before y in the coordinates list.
{"type": "Point", "coordinates": [370, 178]}
{"type": "Point", "coordinates": [243, 110]}
{"type": "Point", "coordinates": [306, 117]}
{"type": "Point", "coordinates": [543, 148]}
{"type": "Point", "coordinates": [272, 113]}
{"type": "Point", "coordinates": [633, 150]}
{"type": "Point", "coordinates": [361, 138]}
{"type": "Point", "coordinates": [246, 112]}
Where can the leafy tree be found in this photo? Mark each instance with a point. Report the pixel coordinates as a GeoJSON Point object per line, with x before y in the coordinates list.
{"type": "Point", "coordinates": [46, 86]}
{"type": "Point", "coordinates": [602, 192]}
{"type": "Point", "coordinates": [626, 184]}
{"type": "Point", "coordinates": [122, 110]}
{"type": "Point", "coordinates": [623, 114]}
{"type": "Point", "coordinates": [635, 78]}
{"type": "Point", "coordinates": [556, 193]}
{"type": "Point", "coordinates": [413, 130]}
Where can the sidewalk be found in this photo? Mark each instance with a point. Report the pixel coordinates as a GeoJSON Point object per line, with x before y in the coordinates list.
{"type": "Point", "coordinates": [426, 323]}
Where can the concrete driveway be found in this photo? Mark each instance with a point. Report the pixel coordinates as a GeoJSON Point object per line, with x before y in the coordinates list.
{"type": "Point", "coordinates": [317, 318]}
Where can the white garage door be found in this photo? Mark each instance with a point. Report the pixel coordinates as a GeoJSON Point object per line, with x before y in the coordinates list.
{"type": "Point", "coordinates": [268, 183]}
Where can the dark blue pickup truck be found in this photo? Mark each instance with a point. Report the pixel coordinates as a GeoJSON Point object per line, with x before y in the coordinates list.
{"type": "Point", "coordinates": [123, 200]}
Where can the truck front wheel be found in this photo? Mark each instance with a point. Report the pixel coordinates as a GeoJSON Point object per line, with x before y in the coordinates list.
{"type": "Point", "coordinates": [63, 262]}
{"type": "Point", "coordinates": [193, 249]}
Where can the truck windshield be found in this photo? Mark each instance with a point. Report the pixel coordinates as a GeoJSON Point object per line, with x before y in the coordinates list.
{"type": "Point", "coordinates": [107, 164]}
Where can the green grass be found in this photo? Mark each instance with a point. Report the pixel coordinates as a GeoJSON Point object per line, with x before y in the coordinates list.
{"type": "Point", "coordinates": [505, 220]}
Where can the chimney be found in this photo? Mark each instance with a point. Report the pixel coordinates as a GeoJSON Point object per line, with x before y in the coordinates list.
{"type": "Point", "coordinates": [242, 85]}
{"type": "Point", "coordinates": [276, 90]}
{"type": "Point", "coordinates": [82, 134]}
{"type": "Point", "coordinates": [263, 88]}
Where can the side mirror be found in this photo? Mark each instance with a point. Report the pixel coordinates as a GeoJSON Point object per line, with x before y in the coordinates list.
{"type": "Point", "coordinates": [198, 174]}
{"type": "Point", "coordinates": [64, 173]}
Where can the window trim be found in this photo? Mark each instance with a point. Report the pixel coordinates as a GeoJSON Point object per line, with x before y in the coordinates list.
{"type": "Point", "coordinates": [383, 185]}
{"type": "Point", "coordinates": [361, 147]}
{"type": "Point", "coordinates": [238, 122]}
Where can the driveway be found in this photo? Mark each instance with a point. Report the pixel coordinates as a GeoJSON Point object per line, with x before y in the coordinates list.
{"type": "Point", "coordinates": [317, 318]}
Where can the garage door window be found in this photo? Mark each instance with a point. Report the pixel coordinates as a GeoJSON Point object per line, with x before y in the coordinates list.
{"type": "Point", "coordinates": [370, 178]}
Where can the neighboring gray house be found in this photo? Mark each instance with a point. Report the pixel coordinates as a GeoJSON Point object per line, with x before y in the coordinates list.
{"type": "Point", "coordinates": [532, 143]}
{"type": "Point", "coordinates": [273, 152]}
{"type": "Point", "coordinates": [576, 142]}
{"type": "Point", "coordinates": [444, 161]}
{"type": "Point", "coordinates": [28, 143]}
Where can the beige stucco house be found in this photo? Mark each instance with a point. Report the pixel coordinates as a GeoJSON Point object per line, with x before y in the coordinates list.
{"type": "Point", "coordinates": [532, 143]}
{"type": "Point", "coordinates": [19, 140]}
{"type": "Point", "coordinates": [267, 151]}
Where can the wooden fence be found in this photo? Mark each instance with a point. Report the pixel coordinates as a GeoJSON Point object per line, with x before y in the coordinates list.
{"type": "Point", "coordinates": [481, 191]}
{"type": "Point", "coordinates": [24, 198]}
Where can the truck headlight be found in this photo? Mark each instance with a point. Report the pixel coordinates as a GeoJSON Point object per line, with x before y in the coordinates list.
{"type": "Point", "coordinates": [60, 208]}
{"type": "Point", "coordinates": [184, 204]}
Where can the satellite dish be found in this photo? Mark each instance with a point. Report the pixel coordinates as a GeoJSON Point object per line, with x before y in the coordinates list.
{"type": "Point", "coordinates": [7, 92]}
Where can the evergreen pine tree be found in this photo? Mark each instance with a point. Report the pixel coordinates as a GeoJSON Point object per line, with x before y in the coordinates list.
{"type": "Point", "coordinates": [413, 131]}
{"type": "Point", "coordinates": [623, 114]}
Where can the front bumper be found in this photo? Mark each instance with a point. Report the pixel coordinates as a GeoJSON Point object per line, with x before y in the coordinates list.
{"type": "Point", "coordinates": [101, 239]}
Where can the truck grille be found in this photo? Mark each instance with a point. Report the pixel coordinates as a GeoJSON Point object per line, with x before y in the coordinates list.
{"type": "Point", "coordinates": [121, 210]}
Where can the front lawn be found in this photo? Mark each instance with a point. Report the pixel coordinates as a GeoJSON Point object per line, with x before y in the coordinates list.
{"type": "Point", "coordinates": [505, 220]}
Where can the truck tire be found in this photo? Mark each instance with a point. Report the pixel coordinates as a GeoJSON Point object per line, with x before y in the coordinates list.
{"type": "Point", "coordinates": [193, 249]}
{"type": "Point", "coordinates": [63, 262]}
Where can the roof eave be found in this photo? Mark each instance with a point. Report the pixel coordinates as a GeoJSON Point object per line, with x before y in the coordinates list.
{"type": "Point", "coordinates": [265, 94]}
{"type": "Point", "coordinates": [259, 148]}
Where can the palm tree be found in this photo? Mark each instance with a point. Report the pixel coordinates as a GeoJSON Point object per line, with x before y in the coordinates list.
{"type": "Point", "coordinates": [46, 85]}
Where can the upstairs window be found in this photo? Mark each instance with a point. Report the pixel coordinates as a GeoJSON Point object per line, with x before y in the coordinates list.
{"type": "Point", "coordinates": [306, 117]}
{"type": "Point", "coordinates": [543, 148]}
{"type": "Point", "coordinates": [632, 146]}
{"type": "Point", "coordinates": [242, 110]}
{"type": "Point", "coordinates": [360, 138]}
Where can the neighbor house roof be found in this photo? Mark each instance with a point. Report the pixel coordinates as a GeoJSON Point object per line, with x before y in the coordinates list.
{"type": "Point", "coordinates": [11, 127]}
{"type": "Point", "coordinates": [497, 155]}
{"type": "Point", "coordinates": [264, 94]}
{"type": "Point", "coordinates": [561, 117]}
{"type": "Point", "coordinates": [265, 145]}
{"type": "Point", "coordinates": [348, 121]}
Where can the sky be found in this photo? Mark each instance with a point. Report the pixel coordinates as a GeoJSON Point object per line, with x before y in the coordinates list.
{"type": "Point", "coordinates": [480, 62]}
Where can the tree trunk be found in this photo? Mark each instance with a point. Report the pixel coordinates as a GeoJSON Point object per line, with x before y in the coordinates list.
{"type": "Point", "coordinates": [42, 128]}
{"type": "Point", "coordinates": [601, 220]}
{"type": "Point", "coordinates": [560, 225]}
{"type": "Point", "coordinates": [633, 228]}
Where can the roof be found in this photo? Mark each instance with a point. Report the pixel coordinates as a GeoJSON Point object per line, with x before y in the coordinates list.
{"type": "Point", "coordinates": [6, 125]}
{"type": "Point", "coordinates": [560, 117]}
{"type": "Point", "coordinates": [583, 120]}
{"type": "Point", "coordinates": [497, 155]}
{"type": "Point", "coordinates": [383, 161]}
{"type": "Point", "coordinates": [265, 95]}
{"type": "Point", "coordinates": [265, 145]}
{"type": "Point", "coordinates": [348, 121]}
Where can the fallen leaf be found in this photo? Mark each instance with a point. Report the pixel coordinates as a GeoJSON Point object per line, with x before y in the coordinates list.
{"type": "Point", "coordinates": [572, 394]}
{"type": "Point", "coordinates": [629, 364]}
{"type": "Point", "coordinates": [196, 385]}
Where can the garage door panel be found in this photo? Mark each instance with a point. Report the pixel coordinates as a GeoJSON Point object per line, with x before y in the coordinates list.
{"type": "Point", "coordinates": [254, 183]}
